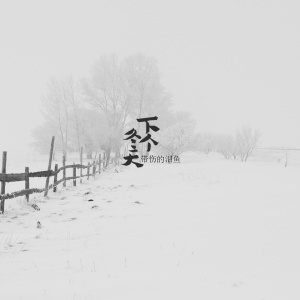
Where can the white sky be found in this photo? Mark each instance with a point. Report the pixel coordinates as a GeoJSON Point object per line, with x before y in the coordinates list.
{"type": "Point", "coordinates": [228, 62]}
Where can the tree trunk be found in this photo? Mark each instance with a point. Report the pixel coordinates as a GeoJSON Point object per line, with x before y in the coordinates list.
{"type": "Point", "coordinates": [65, 153]}
{"type": "Point", "coordinates": [107, 154]}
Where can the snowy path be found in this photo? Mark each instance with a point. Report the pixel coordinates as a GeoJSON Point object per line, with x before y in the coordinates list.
{"type": "Point", "coordinates": [213, 229]}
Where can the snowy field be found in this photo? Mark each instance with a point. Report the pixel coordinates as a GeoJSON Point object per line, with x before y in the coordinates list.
{"type": "Point", "coordinates": [207, 228]}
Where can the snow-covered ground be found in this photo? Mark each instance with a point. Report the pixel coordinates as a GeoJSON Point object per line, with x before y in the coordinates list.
{"type": "Point", "coordinates": [206, 228]}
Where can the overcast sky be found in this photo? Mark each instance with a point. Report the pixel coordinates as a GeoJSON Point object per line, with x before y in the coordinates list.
{"type": "Point", "coordinates": [227, 62]}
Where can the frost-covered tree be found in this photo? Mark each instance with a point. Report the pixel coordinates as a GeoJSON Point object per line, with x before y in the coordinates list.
{"type": "Point", "coordinates": [125, 90]}
{"type": "Point", "coordinates": [97, 113]}
{"type": "Point", "coordinates": [73, 94]}
{"type": "Point", "coordinates": [225, 144]}
{"type": "Point", "coordinates": [93, 131]}
{"type": "Point", "coordinates": [246, 139]}
{"type": "Point", "coordinates": [145, 90]}
{"type": "Point", "coordinates": [177, 137]}
{"type": "Point", "coordinates": [105, 91]}
{"type": "Point", "coordinates": [57, 110]}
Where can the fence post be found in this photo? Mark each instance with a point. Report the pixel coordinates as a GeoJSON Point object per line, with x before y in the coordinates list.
{"type": "Point", "coordinates": [49, 167]}
{"type": "Point", "coordinates": [94, 169]}
{"type": "Point", "coordinates": [81, 164]}
{"type": "Point", "coordinates": [27, 182]}
{"type": "Point", "coordinates": [4, 158]}
{"type": "Point", "coordinates": [64, 171]}
{"type": "Point", "coordinates": [99, 163]}
{"type": "Point", "coordinates": [74, 175]}
{"type": "Point", "coordinates": [55, 178]}
{"type": "Point", "coordinates": [88, 171]}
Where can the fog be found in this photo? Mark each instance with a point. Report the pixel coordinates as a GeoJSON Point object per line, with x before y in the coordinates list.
{"type": "Point", "coordinates": [227, 62]}
{"type": "Point", "coordinates": [190, 205]}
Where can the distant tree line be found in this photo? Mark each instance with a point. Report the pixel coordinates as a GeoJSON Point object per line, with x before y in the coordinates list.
{"type": "Point", "coordinates": [238, 146]}
{"type": "Point", "coordinates": [95, 112]}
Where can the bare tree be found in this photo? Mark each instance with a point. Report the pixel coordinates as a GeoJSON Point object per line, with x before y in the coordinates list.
{"type": "Point", "coordinates": [234, 150]}
{"type": "Point", "coordinates": [72, 90]}
{"type": "Point", "coordinates": [225, 145]}
{"type": "Point", "coordinates": [145, 90]}
{"type": "Point", "coordinates": [56, 108]}
{"type": "Point", "coordinates": [105, 91]}
{"type": "Point", "coordinates": [124, 91]}
{"type": "Point", "coordinates": [144, 85]}
{"type": "Point", "coordinates": [246, 139]}
{"type": "Point", "coordinates": [177, 138]}
{"type": "Point", "coordinates": [93, 131]}
{"type": "Point", "coordinates": [117, 92]}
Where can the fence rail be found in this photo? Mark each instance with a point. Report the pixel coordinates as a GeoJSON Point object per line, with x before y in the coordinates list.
{"type": "Point", "coordinates": [22, 177]}
{"type": "Point", "coordinates": [15, 177]}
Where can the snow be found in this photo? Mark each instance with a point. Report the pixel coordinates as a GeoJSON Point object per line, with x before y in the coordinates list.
{"type": "Point", "coordinates": [207, 228]}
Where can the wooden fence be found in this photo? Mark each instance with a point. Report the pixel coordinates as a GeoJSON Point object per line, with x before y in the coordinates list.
{"type": "Point", "coordinates": [91, 170]}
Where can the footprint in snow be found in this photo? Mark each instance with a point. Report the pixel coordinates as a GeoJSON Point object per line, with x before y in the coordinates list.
{"type": "Point", "coordinates": [35, 207]}
{"type": "Point", "coordinates": [71, 219]}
